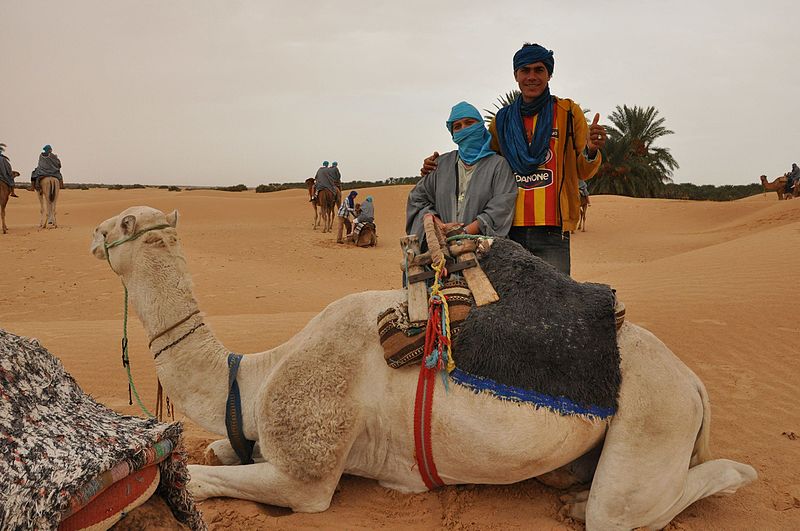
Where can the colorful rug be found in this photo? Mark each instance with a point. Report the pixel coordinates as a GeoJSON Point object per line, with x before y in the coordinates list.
{"type": "Point", "coordinates": [59, 448]}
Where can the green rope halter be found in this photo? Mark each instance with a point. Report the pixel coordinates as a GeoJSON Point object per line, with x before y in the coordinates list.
{"type": "Point", "coordinates": [125, 360]}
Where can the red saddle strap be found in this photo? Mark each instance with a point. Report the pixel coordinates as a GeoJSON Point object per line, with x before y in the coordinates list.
{"type": "Point", "coordinates": [423, 405]}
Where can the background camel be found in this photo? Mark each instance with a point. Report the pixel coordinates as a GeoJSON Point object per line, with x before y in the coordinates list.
{"type": "Point", "coordinates": [48, 196]}
{"type": "Point", "coordinates": [325, 403]}
{"type": "Point", "coordinates": [778, 185]}
{"type": "Point", "coordinates": [313, 200]}
{"type": "Point", "coordinates": [5, 192]}
{"type": "Point", "coordinates": [584, 207]}
{"type": "Point", "coordinates": [327, 207]}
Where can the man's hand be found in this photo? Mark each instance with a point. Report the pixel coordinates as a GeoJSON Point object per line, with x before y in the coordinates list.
{"type": "Point", "coordinates": [429, 164]}
{"type": "Point", "coordinates": [597, 136]}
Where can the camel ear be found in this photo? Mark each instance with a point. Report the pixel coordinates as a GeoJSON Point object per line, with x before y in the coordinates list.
{"type": "Point", "coordinates": [128, 225]}
{"type": "Point", "coordinates": [172, 218]}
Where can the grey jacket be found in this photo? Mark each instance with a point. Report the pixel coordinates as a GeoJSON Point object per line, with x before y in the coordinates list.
{"type": "Point", "coordinates": [5, 171]}
{"type": "Point", "coordinates": [490, 196]}
{"type": "Point", "coordinates": [49, 166]}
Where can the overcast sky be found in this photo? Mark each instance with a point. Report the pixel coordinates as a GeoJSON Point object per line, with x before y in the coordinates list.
{"type": "Point", "coordinates": [226, 92]}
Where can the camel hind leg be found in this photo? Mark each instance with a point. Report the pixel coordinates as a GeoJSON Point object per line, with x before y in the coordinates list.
{"type": "Point", "coordinates": [645, 477]}
{"type": "Point", "coordinates": [42, 210]}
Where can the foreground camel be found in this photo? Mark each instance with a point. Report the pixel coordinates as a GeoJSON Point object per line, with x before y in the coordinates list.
{"type": "Point", "coordinates": [325, 403]}
{"type": "Point", "coordinates": [777, 185]}
{"type": "Point", "coordinates": [48, 196]}
{"type": "Point", "coordinates": [5, 193]}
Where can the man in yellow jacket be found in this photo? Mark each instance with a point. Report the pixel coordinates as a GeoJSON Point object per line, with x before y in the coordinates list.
{"type": "Point", "coordinates": [550, 147]}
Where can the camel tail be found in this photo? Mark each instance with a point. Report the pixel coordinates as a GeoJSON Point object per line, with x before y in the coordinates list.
{"type": "Point", "coordinates": [52, 193]}
{"type": "Point", "coordinates": [702, 446]}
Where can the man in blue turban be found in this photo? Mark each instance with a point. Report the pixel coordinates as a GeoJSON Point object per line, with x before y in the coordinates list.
{"type": "Point", "coordinates": [472, 187]}
{"type": "Point", "coordinates": [550, 147]}
{"type": "Point", "coordinates": [49, 166]}
{"type": "Point", "coordinates": [7, 175]}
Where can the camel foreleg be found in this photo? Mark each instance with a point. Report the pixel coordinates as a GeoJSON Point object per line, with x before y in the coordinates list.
{"type": "Point", "coordinates": [221, 452]}
{"type": "Point", "coordinates": [263, 483]}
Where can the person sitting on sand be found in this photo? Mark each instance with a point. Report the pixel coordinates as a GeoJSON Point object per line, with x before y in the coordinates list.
{"type": "Point", "coordinates": [49, 166]}
{"type": "Point", "coordinates": [472, 187]}
{"type": "Point", "coordinates": [6, 173]}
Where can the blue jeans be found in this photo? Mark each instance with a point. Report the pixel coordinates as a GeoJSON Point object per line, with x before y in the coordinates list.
{"type": "Point", "coordinates": [551, 244]}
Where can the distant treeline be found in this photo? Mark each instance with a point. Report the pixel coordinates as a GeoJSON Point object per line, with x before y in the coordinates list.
{"type": "Point", "coordinates": [350, 185]}
{"type": "Point", "coordinates": [705, 192]}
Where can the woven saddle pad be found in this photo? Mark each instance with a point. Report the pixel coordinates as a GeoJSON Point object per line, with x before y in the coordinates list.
{"type": "Point", "coordinates": [403, 341]}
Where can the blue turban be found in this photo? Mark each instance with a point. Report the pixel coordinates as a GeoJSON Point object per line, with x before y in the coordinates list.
{"type": "Point", "coordinates": [533, 53]}
{"type": "Point", "coordinates": [335, 163]}
{"type": "Point", "coordinates": [368, 199]}
{"type": "Point", "coordinates": [47, 148]}
{"type": "Point", "coordinates": [325, 163]}
{"type": "Point", "coordinates": [473, 141]}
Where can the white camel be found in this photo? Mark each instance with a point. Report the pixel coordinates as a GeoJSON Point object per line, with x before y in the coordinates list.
{"type": "Point", "coordinates": [325, 403]}
{"type": "Point", "coordinates": [48, 196]}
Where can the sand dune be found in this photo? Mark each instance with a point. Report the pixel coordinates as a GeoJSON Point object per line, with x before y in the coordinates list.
{"type": "Point", "coordinates": [715, 281]}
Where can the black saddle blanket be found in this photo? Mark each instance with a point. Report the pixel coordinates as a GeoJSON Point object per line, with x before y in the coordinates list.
{"type": "Point", "coordinates": [547, 334]}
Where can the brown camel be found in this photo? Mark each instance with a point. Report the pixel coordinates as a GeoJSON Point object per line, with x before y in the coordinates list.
{"type": "Point", "coordinates": [327, 206]}
{"type": "Point", "coordinates": [313, 200]}
{"type": "Point", "coordinates": [584, 207]}
{"type": "Point", "coordinates": [778, 185]}
{"type": "Point", "coordinates": [48, 196]}
{"type": "Point", "coordinates": [5, 192]}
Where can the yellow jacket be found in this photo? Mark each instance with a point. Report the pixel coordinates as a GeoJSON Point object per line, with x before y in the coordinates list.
{"type": "Point", "coordinates": [570, 163]}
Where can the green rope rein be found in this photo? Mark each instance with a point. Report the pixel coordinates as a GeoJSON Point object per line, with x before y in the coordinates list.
{"type": "Point", "coordinates": [467, 237]}
{"type": "Point", "coordinates": [126, 362]}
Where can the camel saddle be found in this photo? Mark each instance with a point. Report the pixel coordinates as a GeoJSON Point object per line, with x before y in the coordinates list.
{"type": "Point", "coordinates": [547, 336]}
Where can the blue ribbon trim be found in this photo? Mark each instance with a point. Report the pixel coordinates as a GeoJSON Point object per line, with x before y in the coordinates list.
{"type": "Point", "coordinates": [558, 404]}
{"type": "Point", "coordinates": [233, 414]}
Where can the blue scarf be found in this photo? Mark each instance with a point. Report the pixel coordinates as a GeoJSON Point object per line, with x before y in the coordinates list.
{"type": "Point", "coordinates": [351, 199]}
{"type": "Point", "coordinates": [473, 141]}
{"type": "Point", "coordinates": [525, 158]}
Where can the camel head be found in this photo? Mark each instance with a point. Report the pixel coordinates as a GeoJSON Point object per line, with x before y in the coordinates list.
{"type": "Point", "coordinates": [122, 239]}
{"type": "Point", "coordinates": [764, 179]}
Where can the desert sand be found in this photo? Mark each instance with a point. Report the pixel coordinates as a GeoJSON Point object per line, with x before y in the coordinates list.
{"type": "Point", "coordinates": [717, 282]}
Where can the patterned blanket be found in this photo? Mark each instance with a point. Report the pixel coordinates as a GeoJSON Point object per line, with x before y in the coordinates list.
{"type": "Point", "coordinates": [58, 446]}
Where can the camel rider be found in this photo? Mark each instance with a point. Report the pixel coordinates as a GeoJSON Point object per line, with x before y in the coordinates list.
{"type": "Point", "coordinates": [347, 209]}
{"type": "Point", "coordinates": [326, 179]}
{"type": "Point", "coordinates": [337, 176]}
{"type": "Point", "coordinates": [49, 166]}
{"type": "Point", "coordinates": [6, 173]}
{"type": "Point", "coordinates": [792, 177]}
{"type": "Point", "coordinates": [583, 189]}
{"type": "Point", "coordinates": [472, 188]}
{"type": "Point", "coordinates": [367, 215]}
{"type": "Point", "coordinates": [316, 179]}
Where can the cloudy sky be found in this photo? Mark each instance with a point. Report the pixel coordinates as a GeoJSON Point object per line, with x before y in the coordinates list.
{"type": "Point", "coordinates": [238, 91]}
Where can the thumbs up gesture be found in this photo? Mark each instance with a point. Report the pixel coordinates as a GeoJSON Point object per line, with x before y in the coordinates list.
{"type": "Point", "coordinates": [597, 136]}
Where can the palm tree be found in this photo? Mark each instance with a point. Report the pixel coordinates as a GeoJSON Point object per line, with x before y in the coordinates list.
{"type": "Point", "coordinates": [633, 165]}
{"type": "Point", "coordinates": [503, 100]}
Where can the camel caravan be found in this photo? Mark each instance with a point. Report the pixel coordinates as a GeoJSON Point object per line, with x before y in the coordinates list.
{"type": "Point", "coordinates": [46, 180]}
{"type": "Point", "coordinates": [465, 393]}
{"type": "Point", "coordinates": [779, 186]}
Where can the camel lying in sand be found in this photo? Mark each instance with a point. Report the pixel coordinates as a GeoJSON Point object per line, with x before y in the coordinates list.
{"type": "Point", "coordinates": [325, 403]}
{"type": "Point", "coordinates": [777, 185]}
